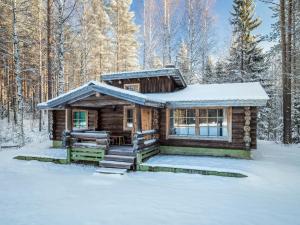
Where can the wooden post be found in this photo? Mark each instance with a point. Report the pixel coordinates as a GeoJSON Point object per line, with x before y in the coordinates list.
{"type": "Point", "coordinates": [68, 126]}
{"type": "Point", "coordinates": [138, 118]}
{"type": "Point", "coordinates": [69, 148]}
{"type": "Point", "coordinates": [247, 128]}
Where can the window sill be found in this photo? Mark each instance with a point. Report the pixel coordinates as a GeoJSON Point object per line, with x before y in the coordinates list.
{"type": "Point", "coordinates": [199, 138]}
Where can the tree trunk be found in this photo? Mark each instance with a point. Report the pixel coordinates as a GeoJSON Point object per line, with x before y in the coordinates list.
{"type": "Point", "coordinates": [49, 59]}
{"type": "Point", "coordinates": [17, 71]}
{"type": "Point", "coordinates": [61, 79]}
{"type": "Point", "coordinates": [285, 76]}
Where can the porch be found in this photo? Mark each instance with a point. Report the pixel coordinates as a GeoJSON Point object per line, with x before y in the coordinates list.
{"type": "Point", "coordinates": [94, 146]}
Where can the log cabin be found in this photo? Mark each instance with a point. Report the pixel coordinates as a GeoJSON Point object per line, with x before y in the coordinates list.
{"type": "Point", "coordinates": [154, 111]}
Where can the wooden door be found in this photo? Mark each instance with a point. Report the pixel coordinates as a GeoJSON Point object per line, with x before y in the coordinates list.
{"type": "Point", "coordinates": [146, 119]}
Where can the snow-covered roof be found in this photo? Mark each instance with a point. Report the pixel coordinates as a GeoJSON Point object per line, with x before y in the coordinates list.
{"type": "Point", "coordinates": [226, 94]}
{"type": "Point", "coordinates": [93, 87]}
{"type": "Point", "coordinates": [174, 73]}
{"type": "Point", "coordinates": [197, 95]}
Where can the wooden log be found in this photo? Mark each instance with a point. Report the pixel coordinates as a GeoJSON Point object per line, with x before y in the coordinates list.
{"type": "Point", "coordinates": [102, 142]}
{"type": "Point", "coordinates": [89, 145]}
{"type": "Point", "coordinates": [89, 135]}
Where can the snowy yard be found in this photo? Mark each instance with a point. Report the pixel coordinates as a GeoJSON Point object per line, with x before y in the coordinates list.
{"type": "Point", "coordinates": [42, 193]}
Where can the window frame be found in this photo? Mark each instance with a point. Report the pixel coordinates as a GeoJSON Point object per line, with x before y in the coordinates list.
{"type": "Point", "coordinates": [227, 116]}
{"type": "Point", "coordinates": [86, 118]}
{"type": "Point", "coordinates": [133, 84]}
{"type": "Point", "coordinates": [125, 118]}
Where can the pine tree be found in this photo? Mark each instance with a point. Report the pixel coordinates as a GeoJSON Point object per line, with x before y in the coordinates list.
{"type": "Point", "coordinates": [96, 29]}
{"type": "Point", "coordinates": [208, 76]}
{"type": "Point", "coordinates": [246, 59]}
{"type": "Point", "coordinates": [296, 73]}
{"type": "Point", "coordinates": [220, 72]}
{"type": "Point", "coordinates": [125, 42]}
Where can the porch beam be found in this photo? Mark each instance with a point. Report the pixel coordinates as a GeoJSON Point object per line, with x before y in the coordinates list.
{"type": "Point", "coordinates": [68, 126]}
{"type": "Point", "coordinates": [138, 116]}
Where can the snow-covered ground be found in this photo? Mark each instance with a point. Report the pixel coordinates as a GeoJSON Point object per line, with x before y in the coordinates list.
{"type": "Point", "coordinates": [8, 132]}
{"type": "Point", "coordinates": [42, 193]}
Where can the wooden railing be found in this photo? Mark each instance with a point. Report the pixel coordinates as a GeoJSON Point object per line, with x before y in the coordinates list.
{"type": "Point", "coordinates": [86, 146]}
{"type": "Point", "coordinates": [145, 144]}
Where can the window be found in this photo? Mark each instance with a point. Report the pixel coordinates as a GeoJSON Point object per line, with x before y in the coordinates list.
{"type": "Point", "coordinates": [201, 123]}
{"type": "Point", "coordinates": [182, 122]}
{"type": "Point", "coordinates": [128, 118]}
{"type": "Point", "coordinates": [80, 119]}
{"type": "Point", "coordinates": [132, 87]}
{"type": "Point", "coordinates": [212, 123]}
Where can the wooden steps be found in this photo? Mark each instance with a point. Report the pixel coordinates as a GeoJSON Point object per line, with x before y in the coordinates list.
{"type": "Point", "coordinates": [120, 158]}
{"type": "Point", "coordinates": [111, 171]}
{"type": "Point", "coordinates": [116, 164]}
{"type": "Point", "coordinates": [121, 152]}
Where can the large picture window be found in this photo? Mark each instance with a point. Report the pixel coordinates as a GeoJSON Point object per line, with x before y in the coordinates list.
{"type": "Point", "coordinates": [80, 119]}
{"type": "Point", "coordinates": [202, 123]}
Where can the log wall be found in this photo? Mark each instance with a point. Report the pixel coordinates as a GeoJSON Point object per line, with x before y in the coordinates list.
{"type": "Point", "coordinates": [59, 122]}
{"type": "Point", "coordinates": [111, 119]}
{"type": "Point", "coordinates": [149, 85]}
{"type": "Point", "coordinates": [238, 122]}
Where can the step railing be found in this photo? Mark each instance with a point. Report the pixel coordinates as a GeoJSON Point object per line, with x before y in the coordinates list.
{"type": "Point", "coordinates": [145, 144]}
{"type": "Point", "coordinates": [86, 146]}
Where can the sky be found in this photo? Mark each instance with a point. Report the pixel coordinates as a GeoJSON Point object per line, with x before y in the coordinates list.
{"type": "Point", "coordinates": [222, 10]}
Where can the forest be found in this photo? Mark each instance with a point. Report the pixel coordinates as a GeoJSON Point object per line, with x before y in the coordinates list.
{"type": "Point", "coordinates": [48, 47]}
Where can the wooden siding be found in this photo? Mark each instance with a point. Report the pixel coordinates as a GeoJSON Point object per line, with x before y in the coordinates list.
{"type": "Point", "coordinates": [148, 85]}
{"type": "Point", "coordinates": [111, 119]}
{"type": "Point", "coordinates": [59, 124]}
{"type": "Point", "coordinates": [237, 133]}
{"type": "Point", "coordinates": [98, 101]}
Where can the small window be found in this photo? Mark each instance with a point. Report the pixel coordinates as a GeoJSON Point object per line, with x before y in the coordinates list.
{"type": "Point", "coordinates": [80, 119]}
{"type": "Point", "coordinates": [128, 118]}
{"type": "Point", "coordinates": [132, 87]}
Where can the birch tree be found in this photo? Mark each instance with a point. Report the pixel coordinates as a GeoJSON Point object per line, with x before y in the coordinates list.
{"type": "Point", "coordinates": [17, 72]}
{"type": "Point", "coordinates": [63, 14]}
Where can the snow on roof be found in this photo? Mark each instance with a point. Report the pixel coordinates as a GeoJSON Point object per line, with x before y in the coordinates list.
{"type": "Point", "coordinates": [95, 86]}
{"type": "Point", "coordinates": [227, 94]}
{"type": "Point", "coordinates": [171, 72]}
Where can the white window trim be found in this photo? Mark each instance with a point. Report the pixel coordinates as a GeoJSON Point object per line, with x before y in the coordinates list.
{"type": "Point", "coordinates": [125, 128]}
{"type": "Point", "coordinates": [132, 84]}
{"type": "Point", "coordinates": [208, 138]}
{"type": "Point", "coordinates": [87, 119]}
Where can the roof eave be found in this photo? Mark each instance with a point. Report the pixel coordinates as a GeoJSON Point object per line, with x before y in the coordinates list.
{"type": "Point", "coordinates": [213, 103]}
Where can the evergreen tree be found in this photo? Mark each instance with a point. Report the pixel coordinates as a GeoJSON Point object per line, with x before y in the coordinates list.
{"type": "Point", "coordinates": [124, 32]}
{"type": "Point", "coordinates": [208, 76]}
{"type": "Point", "coordinates": [96, 41]}
{"type": "Point", "coordinates": [246, 60]}
{"type": "Point", "coordinates": [220, 72]}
